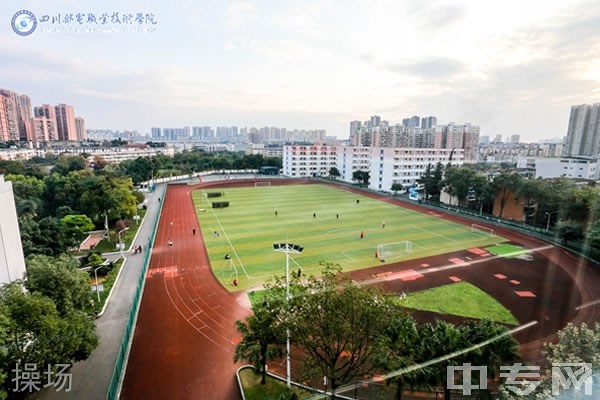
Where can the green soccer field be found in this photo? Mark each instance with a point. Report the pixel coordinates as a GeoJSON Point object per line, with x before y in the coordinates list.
{"type": "Point", "coordinates": [248, 228]}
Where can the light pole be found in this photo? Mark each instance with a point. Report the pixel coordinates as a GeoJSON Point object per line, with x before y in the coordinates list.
{"type": "Point", "coordinates": [121, 245]}
{"type": "Point", "coordinates": [96, 275]}
{"type": "Point", "coordinates": [288, 248]}
{"type": "Point", "coordinates": [549, 214]}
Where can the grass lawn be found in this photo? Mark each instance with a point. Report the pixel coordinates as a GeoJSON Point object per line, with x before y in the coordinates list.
{"type": "Point", "coordinates": [106, 247]}
{"type": "Point", "coordinates": [307, 215]}
{"type": "Point", "coordinates": [461, 298]}
{"type": "Point", "coordinates": [507, 250]}
{"type": "Point", "coordinates": [272, 390]}
{"type": "Point", "coordinates": [108, 282]}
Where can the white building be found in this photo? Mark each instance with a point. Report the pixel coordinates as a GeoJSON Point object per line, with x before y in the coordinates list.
{"type": "Point", "coordinates": [12, 263]}
{"type": "Point", "coordinates": [567, 167]}
{"type": "Point", "coordinates": [385, 165]}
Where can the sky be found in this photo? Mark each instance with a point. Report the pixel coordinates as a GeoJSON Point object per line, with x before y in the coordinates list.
{"type": "Point", "coordinates": [511, 67]}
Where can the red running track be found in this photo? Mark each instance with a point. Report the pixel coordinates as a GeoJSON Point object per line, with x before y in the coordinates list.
{"type": "Point", "coordinates": [182, 346]}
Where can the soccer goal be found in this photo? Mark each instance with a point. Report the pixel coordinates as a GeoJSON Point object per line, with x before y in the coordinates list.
{"type": "Point", "coordinates": [397, 249]}
{"type": "Point", "coordinates": [229, 273]}
{"type": "Point", "coordinates": [482, 229]}
{"type": "Point", "coordinates": [257, 184]}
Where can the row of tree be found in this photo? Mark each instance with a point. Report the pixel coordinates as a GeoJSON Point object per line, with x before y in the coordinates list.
{"type": "Point", "coordinates": [187, 162]}
{"type": "Point", "coordinates": [346, 331]}
{"type": "Point", "coordinates": [572, 208]}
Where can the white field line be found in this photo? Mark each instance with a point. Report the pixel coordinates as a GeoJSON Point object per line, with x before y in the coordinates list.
{"type": "Point", "coordinates": [230, 244]}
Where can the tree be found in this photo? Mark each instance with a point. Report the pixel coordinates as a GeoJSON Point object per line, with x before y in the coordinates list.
{"type": "Point", "coordinates": [402, 350]}
{"type": "Point", "coordinates": [435, 187]}
{"type": "Point", "coordinates": [36, 333]}
{"type": "Point", "coordinates": [594, 236]}
{"type": "Point", "coordinates": [443, 339]}
{"type": "Point", "coordinates": [262, 337]}
{"type": "Point", "coordinates": [506, 184]}
{"type": "Point", "coordinates": [60, 280]}
{"type": "Point", "coordinates": [426, 180]}
{"type": "Point", "coordinates": [432, 180]}
{"type": "Point", "coordinates": [396, 187]}
{"type": "Point", "coordinates": [503, 350]}
{"type": "Point", "coordinates": [581, 205]}
{"type": "Point", "coordinates": [99, 163]}
{"type": "Point", "coordinates": [361, 176]}
{"type": "Point", "coordinates": [576, 344]}
{"type": "Point", "coordinates": [74, 227]}
{"type": "Point", "coordinates": [66, 163]}
{"type": "Point", "coordinates": [334, 172]}
{"type": "Point", "coordinates": [459, 182]}
{"type": "Point", "coordinates": [569, 231]}
{"type": "Point", "coordinates": [337, 324]}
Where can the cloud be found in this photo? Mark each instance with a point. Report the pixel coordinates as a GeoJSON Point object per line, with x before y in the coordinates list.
{"type": "Point", "coordinates": [429, 68]}
{"type": "Point", "coordinates": [240, 13]}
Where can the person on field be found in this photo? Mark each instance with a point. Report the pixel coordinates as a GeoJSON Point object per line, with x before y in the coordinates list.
{"type": "Point", "coordinates": [362, 234]}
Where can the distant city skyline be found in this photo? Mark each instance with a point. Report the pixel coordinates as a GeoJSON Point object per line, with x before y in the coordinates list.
{"type": "Point", "coordinates": [316, 65]}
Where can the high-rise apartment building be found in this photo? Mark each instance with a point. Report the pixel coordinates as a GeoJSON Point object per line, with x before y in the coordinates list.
{"type": "Point", "coordinates": [65, 122]}
{"type": "Point", "coordinates": [155, 133]}
{"type": "Point", "coordinates": [375, 120]}
{"type": "Point", "coordinates": [9, 130]}
{"type": "Point", "coordinates": [4, 135]}
{"type": "Point", "coordinates": [583, 135]}
{"type": "Point", "coordinates": [80, 128]}
{"type": "Point", "coordinates": [40, 129]}
{"type": "Point", "coordinates": [354, 127]}
{"type": "Point", "coordinates": [464, 137]}
{"type": "Point", "coordinates": [49, 113]}
{"type": "Point", "coordinates": [428, 122]}
{"type": "Point", "coordinates": [24, 114]}
{"type": "Point", "coordinates": [514, 139]}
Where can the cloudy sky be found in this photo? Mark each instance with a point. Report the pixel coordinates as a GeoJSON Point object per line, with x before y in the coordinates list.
{"type": "Point", "coordinates": [512, 67]}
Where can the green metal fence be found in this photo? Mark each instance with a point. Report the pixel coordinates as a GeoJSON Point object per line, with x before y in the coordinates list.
{"type": "Point", "coordinates": [118, 372]}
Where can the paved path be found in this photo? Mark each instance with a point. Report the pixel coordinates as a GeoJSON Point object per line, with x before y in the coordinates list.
{"type": "Point", "coordinates": [91, 377]}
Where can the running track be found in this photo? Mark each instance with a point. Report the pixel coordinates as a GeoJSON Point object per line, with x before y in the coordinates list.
{"type": "Point", "coordinates": [184, 339]}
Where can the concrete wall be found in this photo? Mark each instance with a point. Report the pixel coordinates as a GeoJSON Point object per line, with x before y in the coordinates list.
{"type": "Point", "coordinates": [12, 263]}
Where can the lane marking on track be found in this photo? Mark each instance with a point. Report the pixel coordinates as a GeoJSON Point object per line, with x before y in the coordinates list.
{"type": "Point", "coordinates": [586, 305]}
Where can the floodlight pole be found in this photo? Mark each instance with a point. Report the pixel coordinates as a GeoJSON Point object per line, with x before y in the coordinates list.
{"type": "Point", "coordinates": [287, 332]}
{"type": "Point", "coordinates": [288, 248]}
